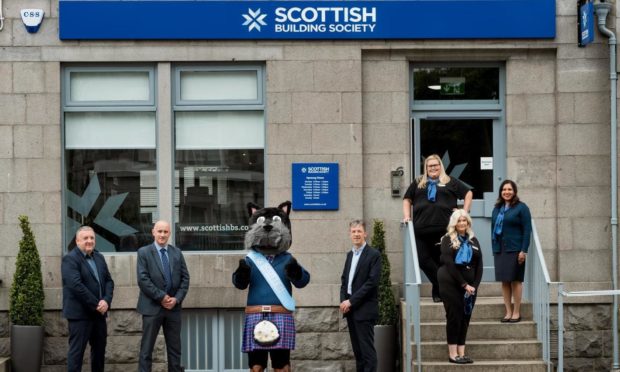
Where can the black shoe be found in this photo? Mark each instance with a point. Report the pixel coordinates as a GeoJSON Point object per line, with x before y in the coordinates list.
{"type": "Point", "coordinates": [467, 359]}
{"type": "Point", "coordinates": [436, 298]}
{"type": "Point", "coordinates": [457, 360]}
{"type": "Point", "coordinates": [514, 320]}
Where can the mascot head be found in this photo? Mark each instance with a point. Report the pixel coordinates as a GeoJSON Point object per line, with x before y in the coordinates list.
{"type": "Point", "coordinates": [270, 229]}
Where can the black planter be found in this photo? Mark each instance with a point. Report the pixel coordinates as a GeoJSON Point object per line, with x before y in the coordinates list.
{"type": "Point", "coordinates": [26, 348]}
{"type": "Point", "coordinates": [385, 344]}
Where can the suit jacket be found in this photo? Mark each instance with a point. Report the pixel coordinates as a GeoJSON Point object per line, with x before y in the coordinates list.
{"type": "Point", "coordinates": [364, 302]}
{"type": "Point", "coordinates": [516, 229]}
{"type": "Point", "coordinates": [152, 282]}
{"type": "Point", "coordinates": [81, 292]}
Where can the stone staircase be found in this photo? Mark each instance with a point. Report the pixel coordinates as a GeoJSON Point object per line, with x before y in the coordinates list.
{"type": "Point", "coordinates": [494, 346]}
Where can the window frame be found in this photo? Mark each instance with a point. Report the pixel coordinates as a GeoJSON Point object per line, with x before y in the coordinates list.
{"type": "Point", "coordinates": [101, 106]}
{"type": "Point", "coordinates": [179, 104]}
{"type": "Point", "coordinates": [465, 104]}
{"type": "Point", "coordinates": [130, 105]}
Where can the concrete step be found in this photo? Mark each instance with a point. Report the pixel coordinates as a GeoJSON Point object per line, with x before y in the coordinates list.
{"type": "Point", "coordinates": [484, 366]}
{"type": "Point", "coordinates": [486, 309]}
{"type": "Point", "coordinates": [491, 330]}
{"type": "Point", "coordinates": [511, 350]}
{"type": "Point", "coordinates": [5, 364]}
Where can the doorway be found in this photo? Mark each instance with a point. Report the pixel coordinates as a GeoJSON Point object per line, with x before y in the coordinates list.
{"type": "Point", "coordinates": [458, 114]}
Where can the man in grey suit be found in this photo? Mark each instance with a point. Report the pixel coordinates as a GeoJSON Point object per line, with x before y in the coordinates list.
{"type": "Point", "coordinates": [164, 281]}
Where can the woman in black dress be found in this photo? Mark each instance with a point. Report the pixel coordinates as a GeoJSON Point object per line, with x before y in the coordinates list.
{"type": "Point", "coordinates": [433, 196]}
{"type": "Point", "coordinates": [511, 227]}
{"type": "Point", "coordinates": [459, 278]}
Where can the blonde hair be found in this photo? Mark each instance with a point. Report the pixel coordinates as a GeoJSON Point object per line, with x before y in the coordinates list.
{"type": "Point", "coordinates": [443, 177]}
{"type": "Point", "coordinates": [452, 233]}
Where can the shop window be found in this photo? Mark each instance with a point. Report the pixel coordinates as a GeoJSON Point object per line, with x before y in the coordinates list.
{"type": "Point", "coordinates": [110, 155]}
{"type": "Point", "coordinates": [219, 154]}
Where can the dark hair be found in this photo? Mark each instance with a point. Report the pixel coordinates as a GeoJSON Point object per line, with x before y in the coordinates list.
{"type": "Point", "coordinates": [515, 198]}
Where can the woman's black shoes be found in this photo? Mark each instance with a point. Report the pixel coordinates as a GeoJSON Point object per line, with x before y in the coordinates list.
{"type": "Point", "coordinates": [467, 359]}
{"type": "Point", "coordinates": [459, 360]}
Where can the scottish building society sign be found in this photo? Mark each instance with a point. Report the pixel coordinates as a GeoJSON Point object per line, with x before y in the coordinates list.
{"type": "Point", "coordinates": [256, 20]}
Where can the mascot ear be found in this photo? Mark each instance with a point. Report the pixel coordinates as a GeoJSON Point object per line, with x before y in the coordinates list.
{"type": "Point", "coordinates": [286, 207]}
{"type": "Point", "coordinates": [252, 208]}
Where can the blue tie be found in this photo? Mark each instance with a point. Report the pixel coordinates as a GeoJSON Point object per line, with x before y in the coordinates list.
{"type": "Point", "coordinates": [167, 273]}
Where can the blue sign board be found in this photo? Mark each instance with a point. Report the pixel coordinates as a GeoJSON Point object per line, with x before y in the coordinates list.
{"type": "Point", "coordinates": [315, 186]}
{"type": "Point", "coordinates": [586, 24]}
{"type": "Point", "coordinates": [290, 19]}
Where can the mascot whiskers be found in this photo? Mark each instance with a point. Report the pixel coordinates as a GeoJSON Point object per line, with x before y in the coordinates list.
{"type": "Point", "coordinates": [270, 272]}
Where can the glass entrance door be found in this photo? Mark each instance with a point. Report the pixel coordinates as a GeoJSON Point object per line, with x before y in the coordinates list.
{"type": "Point", "coordinates": [472, 150]}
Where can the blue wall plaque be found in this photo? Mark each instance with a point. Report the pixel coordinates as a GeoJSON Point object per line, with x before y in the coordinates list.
{"type": "Point", "coordinates": [315, 186]}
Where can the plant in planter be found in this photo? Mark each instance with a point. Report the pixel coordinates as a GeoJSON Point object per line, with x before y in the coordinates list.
{"type": "Point", "coordinates": [385, 330]}
{"type": "Point", "coordinates": [26, 304]}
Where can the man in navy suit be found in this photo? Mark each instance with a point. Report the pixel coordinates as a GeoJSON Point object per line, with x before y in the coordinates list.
{"type": "Point", "coordinates": [358, 296]}
{"type": "Point", "coordinates": [87, 289]}
{"type": "Point", "coordinates": [163, 279]}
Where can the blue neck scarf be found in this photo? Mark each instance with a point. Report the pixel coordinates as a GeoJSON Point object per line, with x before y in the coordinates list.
{"type": "Point", "coordinates": [499, 221]}
{"type": "Point", "coordinates": [431, 189]}
{"type": "Point", "coordinates": [463, 256]}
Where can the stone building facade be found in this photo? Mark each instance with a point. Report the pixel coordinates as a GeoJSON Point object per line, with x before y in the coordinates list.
{"type": "Point", "coordinates": [345, 102]}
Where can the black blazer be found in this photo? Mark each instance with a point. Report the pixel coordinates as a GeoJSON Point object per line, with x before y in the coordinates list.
{"type": "Point", "coordinates": [364, 302]}
{"type": "Point", "coordinates": [80, 288]}
{"type": "Point", "coordinates": [151, 278]}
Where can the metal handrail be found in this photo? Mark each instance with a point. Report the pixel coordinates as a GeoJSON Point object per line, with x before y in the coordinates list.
{"type": "Point", "coordinates": [536, 290]}
{"type": "Point", "coordinates": [561, 295]}
{"type": "Point", "coordinates": [412, 283]}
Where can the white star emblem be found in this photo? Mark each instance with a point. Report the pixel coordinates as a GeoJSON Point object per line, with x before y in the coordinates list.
{"type": "Point", "coordinates": [254, 19]}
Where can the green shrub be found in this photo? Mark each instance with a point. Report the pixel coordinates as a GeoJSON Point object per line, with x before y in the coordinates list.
{"type": "Point", "coordinates": [26, 296]}
{"type": "Point", "coordinates": [387, 304]}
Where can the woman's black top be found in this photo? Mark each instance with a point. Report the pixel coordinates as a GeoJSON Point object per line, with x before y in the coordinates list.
{"type": "Point", "coordinates": [429, 217]}
{"type": "Point", "coordinates": [448, 254]}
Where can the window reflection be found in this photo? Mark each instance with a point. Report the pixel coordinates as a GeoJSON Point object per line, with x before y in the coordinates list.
{"type": "Point", "coordinates": [456, 83]}
{"type": "Point", "coordinates": [114, 192]}
{"type": "Point", "coordinates": [213, 188]}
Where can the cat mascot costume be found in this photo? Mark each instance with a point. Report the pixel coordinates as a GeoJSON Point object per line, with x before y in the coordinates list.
{"type": "Point", "coordinates": [269, 271]}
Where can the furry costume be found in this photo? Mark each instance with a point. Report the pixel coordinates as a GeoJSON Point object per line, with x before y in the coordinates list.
{"type": "Point", "coordinates": [269, 235]}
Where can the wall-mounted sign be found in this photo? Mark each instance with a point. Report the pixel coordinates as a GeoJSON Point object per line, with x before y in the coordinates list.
{"type": "Point", "coordinates": [278, 19]}
{"type": "Point", "coordinates": [586, 23]}
{"type": "Point", "coordinates": [315, 186]}
{"type": "Point", "coordinates": [486, 163]}
{"type": "Point", "coordinates": [32, 19]}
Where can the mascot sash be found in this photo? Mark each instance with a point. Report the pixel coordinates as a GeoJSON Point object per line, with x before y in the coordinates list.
{"type": "Point", "coordinates": [272, 279]}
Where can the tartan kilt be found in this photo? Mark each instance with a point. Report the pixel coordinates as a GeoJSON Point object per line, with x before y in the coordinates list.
{"type": "Point", "coordinates": [286, 328]}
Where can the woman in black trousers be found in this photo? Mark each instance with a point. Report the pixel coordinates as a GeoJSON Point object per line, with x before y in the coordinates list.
{"type": "Point", "coordinates": [433, 196]}
{"type": "Point", "coordinates": [459, 278]}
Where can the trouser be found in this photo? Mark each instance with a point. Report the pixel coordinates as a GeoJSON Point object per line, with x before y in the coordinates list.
{"type": "Point", "coordinates": [362, 334]}
{"type": "Point", "coordinates": [429, 252]}
{"type": "Point", "coordinates": [87, 331]}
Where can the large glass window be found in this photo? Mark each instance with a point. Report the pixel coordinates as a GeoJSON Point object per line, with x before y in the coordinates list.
{"type": "Point", "coordinates": [219, 154]}
{"type": "Point", "coordinates": [109, 154]}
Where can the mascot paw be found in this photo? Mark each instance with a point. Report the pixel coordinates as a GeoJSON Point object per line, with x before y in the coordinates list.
{"type": "Point", "coordinates": [243, 272]}
{"type": "Point", "coordinates": [293, 270]}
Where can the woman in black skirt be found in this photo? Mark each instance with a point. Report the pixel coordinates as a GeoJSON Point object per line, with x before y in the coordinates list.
{"type": "Point", "coordinates": [511, 227]}
{"type": "Point", "coordinates": [459, 278]}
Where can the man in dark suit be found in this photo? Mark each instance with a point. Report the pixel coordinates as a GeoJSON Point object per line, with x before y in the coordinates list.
{"type": "Point", "coordinates": [358, 296]}
{"type": "Point", "coordinates": [87, 289]}
{"type": "Point", "coordinates": [164, 281]}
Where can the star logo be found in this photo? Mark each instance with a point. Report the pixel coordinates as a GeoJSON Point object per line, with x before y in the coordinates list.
{"type": "Point", "coordinates": [254, 19]}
